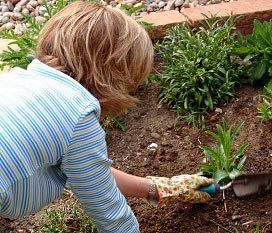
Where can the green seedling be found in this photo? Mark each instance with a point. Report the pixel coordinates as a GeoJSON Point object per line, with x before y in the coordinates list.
{"type": "Point", "coordinates": [223, 163]}
{"type": "Point", "coordinates": [70, 218]}
{"type": "Point", "coordinates": [265, 109]}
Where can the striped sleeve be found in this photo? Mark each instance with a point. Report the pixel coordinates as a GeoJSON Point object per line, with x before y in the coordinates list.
{"type": "Point", "coordinates": [87, 168]}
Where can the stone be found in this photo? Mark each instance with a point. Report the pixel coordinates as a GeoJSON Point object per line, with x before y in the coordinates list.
{"type": "Point", "coordinates": [161, 4]}
{"type": "Point", "coordinates": [130, 1]}
{"type": "Point", "coordinates": [215, 1]}
{"type": "Point", "coordinates": [7, 14]}
{"type": "Point", "coordinates": [203, 2]}
{"type": "Point", "coordinates": [170, 5]}
{"type": "Point", "coordinates": [9, 25]}
{"type": "Point", "coordinates": [186, 4]}
{"type": "Point", "coordinates": [113, 3]}
{"type": "Point", "coordinates": [33, 3]}
{"type": "Point", "coordinates": [5, 20]}
{"type": "Point", "coordinates": [17, 9]}
{"type": "Point", "coordinates": [179, 3]}
{"type": "Point", "coordinates": [18, 32]}
{"type": "Point", "coordinates": [40, 19]}
{"type": "Point", "coordinates": [22, 2]}
{"type": "Point", "coordinates": [5, 9]}
{"type": "Point", "coordinates": [14, 2]}
{"type": "Point", "coordinates": [17, 17]}
{"type": "Point", "coordinates": [30, 8]}
{"type": "Point", "coordinates": [25, 11]}
{"type": "Point", "coordinates": [42, 10]}
{"type": "Point", "coordinates": [10, 6]}
{"type": "Point", "coordinates": [155, 135]}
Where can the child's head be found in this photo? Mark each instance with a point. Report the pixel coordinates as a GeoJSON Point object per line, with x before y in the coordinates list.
{"type": "Point", "coordinates": [105, 50]}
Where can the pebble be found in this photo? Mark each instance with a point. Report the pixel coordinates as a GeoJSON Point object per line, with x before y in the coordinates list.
{"type": "Point", "coordinates": [10, 10]}
{"type": "Point", "coordinates": [155, 135]}
{"type": "Point", "coordinates": [5, 9]}
{"type": "Point", "coordinates": [17, 16]}
{"type": "Point", "coordinates": [10, 6]}
{"type": "Point", "coordinates": [9, 25]}
{"type": "Point", "coordinates": [161, 4]}
{"type": "Point", "coordinates": [179, 3]}
{"type": "Point", "coordinates": [40, 19]}
{"type": "Point", "coordinates": [17, 9]}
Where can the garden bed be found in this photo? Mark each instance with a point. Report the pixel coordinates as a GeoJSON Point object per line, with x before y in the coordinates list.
{"type": "Point", "coordinates": [178, 153]}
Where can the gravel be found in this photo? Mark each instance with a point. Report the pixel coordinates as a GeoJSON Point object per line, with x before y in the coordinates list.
{"type": "Point", "coordinates": [11, 17]}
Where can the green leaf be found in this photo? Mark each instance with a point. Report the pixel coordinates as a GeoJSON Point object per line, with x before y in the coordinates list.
{"type": "Point", "coordinates": [234, 173]}
{"type": "Point", "coordinates": [260, 69]}
{"type": "Point", "coordinates": [220, 175]}
{"type": "Point", "coordinates": [241, 163]}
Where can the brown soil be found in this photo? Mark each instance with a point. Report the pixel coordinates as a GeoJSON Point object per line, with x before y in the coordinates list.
{"type": "Point", "coordinates": [178, 153]}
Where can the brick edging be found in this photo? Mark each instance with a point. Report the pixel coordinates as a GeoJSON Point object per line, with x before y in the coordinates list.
{"type": "Point", "coordinates": [247, 10]}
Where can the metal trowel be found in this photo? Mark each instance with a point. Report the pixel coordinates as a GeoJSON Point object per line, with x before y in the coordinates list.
{"type": "Point", "coordinates": [244, 185]}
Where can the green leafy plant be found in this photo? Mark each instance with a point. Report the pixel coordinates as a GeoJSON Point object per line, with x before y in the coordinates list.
{"type": "Point", "coordinates": [70, 218]}
{"type": "Point", "coordinates": [200, 72]}
{"type": "Point", "coordinates": [223, 163]}
{"type": "Point", "coordinates": [265, 109]}
{"type": "Point", "coordinates": [25, 45]}
{"type": "Point", "coordinates": [110, 123]}
{"type": "Point", "coordinates": [257, 230]}
{"type": "Point", "coordinates": [256, 49]}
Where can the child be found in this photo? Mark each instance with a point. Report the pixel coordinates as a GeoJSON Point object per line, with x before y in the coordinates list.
{"type": "Point", "coordinates": [89, 58]}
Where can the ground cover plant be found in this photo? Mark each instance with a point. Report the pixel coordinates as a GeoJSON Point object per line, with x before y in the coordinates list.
{"type": "Point", "coordinates": [223, 164]}
{"type": "Point", "coordinates": [200, 72]}
{"type": "Point", "coordinates": [265, 108]}
{"type": "Point", "coordinates": [256, 48]}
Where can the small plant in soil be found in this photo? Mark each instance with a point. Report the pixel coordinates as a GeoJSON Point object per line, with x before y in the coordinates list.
{"type": "Point", "coordinates": [70, 218]}
{"type": "Point", "coordinates": [265, 109]}
{"type": "Point", "coordinates": [224, 164]}
{"type": "Point", "coordinates": [257, 50]}
{"type": "Point", "coordinates": [200, 72]}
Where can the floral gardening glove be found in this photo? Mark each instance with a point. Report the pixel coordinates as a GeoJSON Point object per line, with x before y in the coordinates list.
{"type": "Point", "coordinates": [183, 188]}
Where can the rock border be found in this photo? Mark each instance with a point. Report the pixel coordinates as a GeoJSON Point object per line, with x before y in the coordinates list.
{"type": "Point", "coordinates": [246, 10]}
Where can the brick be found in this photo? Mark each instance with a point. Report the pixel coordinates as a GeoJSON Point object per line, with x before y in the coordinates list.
{"type": "Point", "coordinates": [247, 9]}
{"type": "Point", "coordinates": [162, 21]}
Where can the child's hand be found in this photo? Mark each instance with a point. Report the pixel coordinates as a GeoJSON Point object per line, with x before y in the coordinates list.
{"type": "Point", "coordinates": [183, 188]}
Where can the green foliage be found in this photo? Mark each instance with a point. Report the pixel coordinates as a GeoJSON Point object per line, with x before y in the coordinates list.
{"type": "Point", "coordinates": [67, 220]}
{"type": "Point", "coordinates": [257, 50]}
{"type": "Point", "coordinates": [257, 230]}
{"type": "Point", "coordinates": [265, 109]}
{"type": "Point", "coordinates": [26, 44]}
{"type": "Point", "coordinates": [223, 163]}
{"type": "Point", "coordinates": [130, 10]}
{"type": "Point", "coordinates": [110, 123]}
{"type": "Point", "coordinates": [200, 72]}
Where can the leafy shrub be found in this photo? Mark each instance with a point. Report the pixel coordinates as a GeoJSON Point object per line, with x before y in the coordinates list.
{"type": "Point", "coordinates": [265, 109]}
{"type": "Point", "coordinates": [257, 50]}
{"type": "Point", "coordinates": [200, 71]}
{"type": "Point", "coordinates": [223, 165]}
{"type": "Point", "coordinates": [26, 43]}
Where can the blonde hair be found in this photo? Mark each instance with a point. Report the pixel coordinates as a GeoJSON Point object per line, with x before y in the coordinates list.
{"type": "Point", "coordinates": [105, 50]}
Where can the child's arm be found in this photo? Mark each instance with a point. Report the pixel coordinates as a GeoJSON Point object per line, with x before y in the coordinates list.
{"type": "Point", "coordinates": [131, 186]}
{"type": "Point", "coordinates": [88, 172]}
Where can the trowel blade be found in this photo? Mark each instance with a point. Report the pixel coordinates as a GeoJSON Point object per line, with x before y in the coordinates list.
{"type": "Point", "coordinates": [248, 184]}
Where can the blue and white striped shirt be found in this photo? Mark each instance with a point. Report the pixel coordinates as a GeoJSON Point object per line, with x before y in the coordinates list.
{"type": "Point", "coordinates": [49, 136]}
